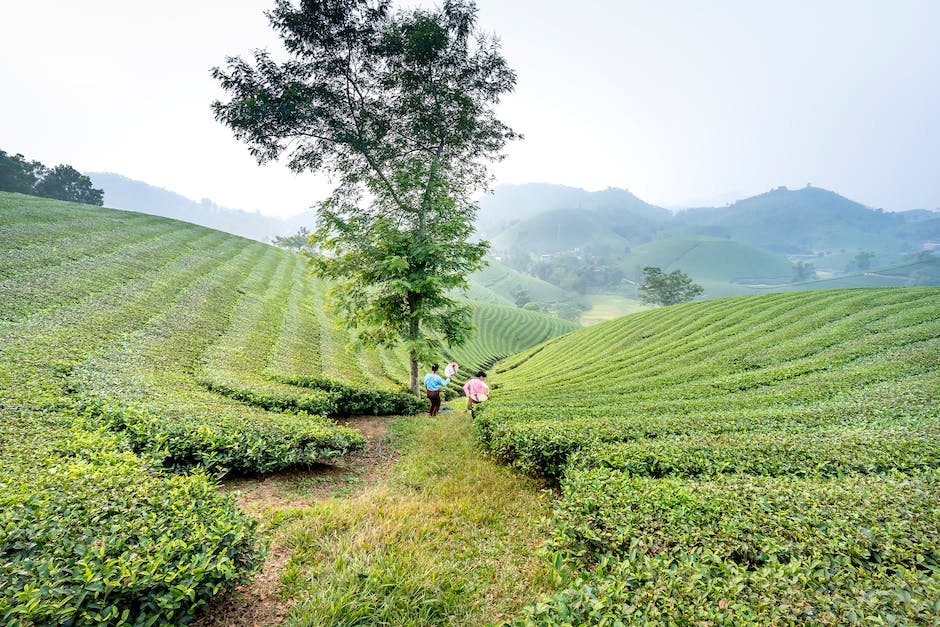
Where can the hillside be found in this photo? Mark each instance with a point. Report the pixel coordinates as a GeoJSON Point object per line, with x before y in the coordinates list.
{"type": "Point", "coordinates": [503, 331]}
{"type": "Point", "coordinates": [559, 230]}
{"type": "Point", "coordinates": [501, 280]}
{"type": "Point", "coordinates": [711, 259]}
{"type": "Point", "coordinates": [762, 234]}
{"type": "Point", "coordinates": [121, 192]}
{"type": "Point", "coordinates": [779, 452]}
{"type": "Point", "coordinates": [140, 358]}
{"type": "Point", "coordinates": [807, 221]}
{"type": "Point", "coordinates": [508, 204]}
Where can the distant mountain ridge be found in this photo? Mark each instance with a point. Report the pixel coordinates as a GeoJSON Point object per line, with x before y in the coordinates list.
{"type": "Point", "coordinates": [546, 218]}
{"type": "Point", "coordinates": [806, 221]}
{"type": "Point", "coordinates": [783, 221]}
{"type": "Point", "coordinates": [128, 194]}
{"type": "Point", "coordinates": [512, 203]}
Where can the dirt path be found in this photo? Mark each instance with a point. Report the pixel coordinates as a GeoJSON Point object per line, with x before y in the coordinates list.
{"type": "Point", "coordinates": [258, 604]}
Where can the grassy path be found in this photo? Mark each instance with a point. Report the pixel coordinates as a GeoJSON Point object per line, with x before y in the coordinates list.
{"type": "Point", "coordinates": [417, 530]}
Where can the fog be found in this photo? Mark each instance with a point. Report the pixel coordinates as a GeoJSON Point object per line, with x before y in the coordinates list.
{"type": "Point", "coordinates": [681, 102]}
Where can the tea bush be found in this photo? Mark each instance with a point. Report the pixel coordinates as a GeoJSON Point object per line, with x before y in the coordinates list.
{"type": "Point", "coordinates": [769, 459]}
{"type": "Point", "coordinates": [140, 359]}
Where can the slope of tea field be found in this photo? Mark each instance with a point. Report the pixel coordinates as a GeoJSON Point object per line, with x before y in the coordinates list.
{"type": "Point", "coordinates": [141, 357]}
{"type": "Point", "coordinates": [502, 331]}
{"type": "Point", "coordinates": [765, 459]}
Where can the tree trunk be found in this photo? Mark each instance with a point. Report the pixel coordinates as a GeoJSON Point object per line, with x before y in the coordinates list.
{"type": "Point", "coordinates": [414, 376]}
{"type": "Point", "coordinates": [414, 330]}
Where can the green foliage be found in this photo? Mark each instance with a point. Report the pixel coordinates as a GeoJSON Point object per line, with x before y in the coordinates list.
{"type": "Point", "coordinates": [744, 550]}
{"type": "Point", "coordinates": [97, 537]}
{"type": "Point", "coordinates": [393, 284]}
{"type": "Point", "coordinates": [135, 346]}
{"type": "Point", "coordinates": [18, 175]}
{"type": "Point", "coordinates": [667, 289]}
{"type": "Point", "coordinates": [521, 296]}
{"type": "Point", "coordinates": [298, 242]}
{"type": "Point", "coordinates": [62, 182]}
{"type": "Point", "coordinates": [763, 460]}
{"type": "Point", "coordinates": [500, 331]}
{"type": "Point", "coordinates": [397, 105]}
{"type": "Point", "coordinates": [348, 400]}
{"type": "Point", "coordinates": [121, 320]}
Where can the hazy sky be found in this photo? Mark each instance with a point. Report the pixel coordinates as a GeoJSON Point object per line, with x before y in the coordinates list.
{"type": "Point", "coordinates": [682, 102]}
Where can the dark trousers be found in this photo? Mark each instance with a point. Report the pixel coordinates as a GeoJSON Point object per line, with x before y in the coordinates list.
{"type": "Point", "coordinates": [435, 398]}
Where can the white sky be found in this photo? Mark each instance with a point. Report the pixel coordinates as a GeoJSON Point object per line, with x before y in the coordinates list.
{"type": "Point", "coordinates": [680, 101]}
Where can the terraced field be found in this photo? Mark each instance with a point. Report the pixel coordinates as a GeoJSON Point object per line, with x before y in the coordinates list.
{"type": "Point", "coordinates": [767, 459]}
{"type": "Point", "coordinates": [502, 331]}
{"type": "Point", "coordinates": [140, 359]}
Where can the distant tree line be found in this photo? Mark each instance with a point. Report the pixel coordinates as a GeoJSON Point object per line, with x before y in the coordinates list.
{"type": "Point", "coordinates": [62, 182]}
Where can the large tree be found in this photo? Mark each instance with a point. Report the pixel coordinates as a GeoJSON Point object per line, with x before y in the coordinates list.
{"type": "Point", "coordinates": [397, 107]}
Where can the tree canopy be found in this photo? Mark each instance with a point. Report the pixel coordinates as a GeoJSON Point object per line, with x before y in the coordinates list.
{"type": "Point", "coordinates": [62, 182]}
{"type": "Point", "coordinates": [397, 107]}
{"type": "Point", "coordinates": [659, 288]}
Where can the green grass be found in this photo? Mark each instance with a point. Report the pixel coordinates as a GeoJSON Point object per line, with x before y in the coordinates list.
{"type": "Point", "coordinates": [447, 538]}
{"type": "Point", "coordinates": [778, 452]}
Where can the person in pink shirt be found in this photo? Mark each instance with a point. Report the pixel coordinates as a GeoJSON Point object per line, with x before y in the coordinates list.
{"type": "Point", "coordinates": [476, 390]}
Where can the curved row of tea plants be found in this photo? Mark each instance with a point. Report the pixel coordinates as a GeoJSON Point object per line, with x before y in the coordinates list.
{"type": "Point", "coordinates": [272, 357]}
{"type": "Point", "coordinates": [502, 331]}
{"type": "Point", "coordinates": [133, 348]}
{"type": "Point", "coordinates": [89, 531]}
{"type": "Point", "coordinates": [766, 459]}
{"type": "Point", "coordinates": [106, 318]}
{"type": "Point", "coordinates": [144, 385]}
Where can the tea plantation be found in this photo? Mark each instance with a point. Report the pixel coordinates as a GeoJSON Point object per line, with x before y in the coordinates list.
{"type": "Point", "coordinates": [769, 459]}
{"type": "Point", "coordinates": [503, 331]}
{"type": "Point", "coordinates": [141, 359]}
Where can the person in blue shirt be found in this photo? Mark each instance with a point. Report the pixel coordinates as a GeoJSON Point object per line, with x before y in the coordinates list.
{"type": "Point", "coordinates": [433, 384]}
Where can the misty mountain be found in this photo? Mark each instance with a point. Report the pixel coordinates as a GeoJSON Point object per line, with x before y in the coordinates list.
{"type": "Point", "coordinates": [508, 204]}
{"type": "Point", "coordinates": [121, 192]}
{"type": "Point", "coordinates": [807, 221]}
{"type": "Point", "coordinates": [559, 230]}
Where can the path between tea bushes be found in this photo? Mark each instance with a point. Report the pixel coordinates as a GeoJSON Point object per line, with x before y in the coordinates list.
{"type": "Point", "coordinates": [418, 529]}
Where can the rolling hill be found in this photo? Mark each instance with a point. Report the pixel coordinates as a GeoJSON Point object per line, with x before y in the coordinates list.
{"type": "Point", "coordinates": [512, 203]}
{"type": "Point", "coordinates": [768, 459]}
{"type": "Point", "coordinates": [559, 230]}
{"type": "Point", "coordinates": [142, 358]}
{"type": "Point", "coordinates": [502, 281]}
{"type": "Point", "coordinates": [762, 234]}
{"type": "Point", "coordinates": [807, 221]}
{"type": "Point", "coordinates": [711, 259]}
